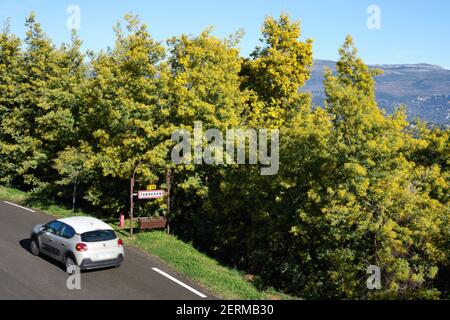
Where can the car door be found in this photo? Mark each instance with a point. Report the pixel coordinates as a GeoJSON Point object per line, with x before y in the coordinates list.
{"type": "Point", "coordinates": [64, 236]}
{"type": "Point", "coordinates": [50, 242]}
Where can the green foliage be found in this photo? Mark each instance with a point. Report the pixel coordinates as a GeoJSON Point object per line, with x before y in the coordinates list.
{"type": "Point", "coordinates": [204, 81]}
{"type": "Point", "coordinates": [276, 72]}
{"type": "Point", "coordinates": [356, 187]}
{"type": "Point", "coordinates": [40, 118]}
{"type": "Point", "coordinates": [10, 69]}
{"type": "Point", "coordinates": [364, 201]}
{"type": "Point", "coordinates": [125, 118]}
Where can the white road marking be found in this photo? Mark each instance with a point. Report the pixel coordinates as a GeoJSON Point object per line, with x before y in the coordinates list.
{"type": "Point", "coordinates": [179, 282]}
{"type": "Point", "coordinates": [16, 205]}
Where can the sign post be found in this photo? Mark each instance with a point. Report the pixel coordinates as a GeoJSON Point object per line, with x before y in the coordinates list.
{"type": "Point", "coordinates": [131, 204]}
{"type": "Point", "coordinates": [168, 176]}
{"type": "Point", "coordinates": [151, 193]}
{"type": "Point", "coordinates": [132, 197]}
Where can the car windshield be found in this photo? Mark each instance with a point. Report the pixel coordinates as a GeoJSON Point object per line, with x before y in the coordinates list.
{"type": "Point", "coordinates": [98, 235]}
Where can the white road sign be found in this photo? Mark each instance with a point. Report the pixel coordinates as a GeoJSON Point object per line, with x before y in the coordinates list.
{"type": "Point", "coordinates": [151, 194]}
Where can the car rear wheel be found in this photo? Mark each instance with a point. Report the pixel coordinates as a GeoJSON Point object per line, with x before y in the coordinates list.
{"type": "Point", "coordinates": [34, 248]}
{"type": "Point", "coordinates": [70, 265]}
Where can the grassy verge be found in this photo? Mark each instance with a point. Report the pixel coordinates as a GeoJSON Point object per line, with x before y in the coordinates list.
{"type": "Point", "coordinates": [223, 282]}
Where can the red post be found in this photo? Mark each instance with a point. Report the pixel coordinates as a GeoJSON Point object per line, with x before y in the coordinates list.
{"type": "Point", "coordinates": [122, 220]}
{"type": "Point", "coordinates": [132, 197]}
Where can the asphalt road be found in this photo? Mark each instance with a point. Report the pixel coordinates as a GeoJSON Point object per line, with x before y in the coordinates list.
{"type": "Point", "coordinates": [24, 276]}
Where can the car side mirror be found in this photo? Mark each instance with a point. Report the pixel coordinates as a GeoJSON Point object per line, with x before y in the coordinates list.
{"type": "Point", "coordinates": [43, 229]}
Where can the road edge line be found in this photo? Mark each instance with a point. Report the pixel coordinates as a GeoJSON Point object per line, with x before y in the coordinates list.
{"type": "Point", "coordinates": [16, 205]}
{"type": "Point", "coordinates": [179, 282]}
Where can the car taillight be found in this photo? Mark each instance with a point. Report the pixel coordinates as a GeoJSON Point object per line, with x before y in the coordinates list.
{"type": "Point", "coordinates": [81, 247]}
{"type": "Point", "coordinates": [119, 242]}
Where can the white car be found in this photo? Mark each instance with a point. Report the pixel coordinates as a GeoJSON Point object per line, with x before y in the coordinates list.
{"type": "Point", "coordinates": [78, 241]}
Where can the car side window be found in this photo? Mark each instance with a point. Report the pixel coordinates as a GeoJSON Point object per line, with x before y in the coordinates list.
{"type": "Point", "coordinates": [53, 227]}
{"type": "Point", "coordinates": [67, 231]}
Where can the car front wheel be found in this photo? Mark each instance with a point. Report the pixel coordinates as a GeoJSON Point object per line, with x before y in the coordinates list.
{"type": "Point", "coordinates": [34, 247]}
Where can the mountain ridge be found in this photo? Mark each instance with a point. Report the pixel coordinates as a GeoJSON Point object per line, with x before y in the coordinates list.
{"type": "Point", "coordinates": [423, 88]}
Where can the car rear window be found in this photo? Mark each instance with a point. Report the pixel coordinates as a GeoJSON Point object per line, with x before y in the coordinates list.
{"type": "Point", "coordinates": [98, 235]}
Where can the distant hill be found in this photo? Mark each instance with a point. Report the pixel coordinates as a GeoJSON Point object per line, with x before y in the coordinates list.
{"type": "Point", "coordinates": [423, 88]}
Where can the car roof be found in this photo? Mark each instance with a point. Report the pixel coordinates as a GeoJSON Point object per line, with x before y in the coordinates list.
{"type": "Point", "coordinates": [85, 224]}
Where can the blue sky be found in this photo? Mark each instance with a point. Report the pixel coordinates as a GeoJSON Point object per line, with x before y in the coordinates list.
{"type": "Point", "coordinates": [412, 31]}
